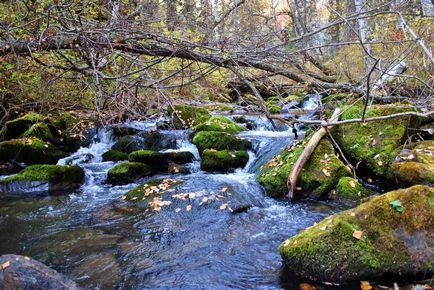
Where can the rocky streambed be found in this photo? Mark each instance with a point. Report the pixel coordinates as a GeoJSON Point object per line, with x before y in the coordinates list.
{"type": "Point", "coordinates": [200, 206]}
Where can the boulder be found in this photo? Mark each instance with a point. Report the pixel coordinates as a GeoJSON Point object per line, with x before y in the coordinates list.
{"type": "Point", "coordinates": [114, 155]}
{"type": "Point", "coordinates": [121, 130]}
{"type": "Point", "coordinates": [14, 128]}
{"type": "Point", "coordinates": [415, 166]}
{"type": "Point", "coordinates": [375, 144]}
{"type": "Point", "coordinates": [178, 169]}
{"type": "Point", "coordinates": [223, 160]}
{"type": "Point", "coordinates": [155, 140]}
{"type": "Point", "coordinates": [219, 141]}
{"type": "Point", "coordinates": [128, 172]}
{"type": "Point", "coordinates": [37, 179]}
{"type": "Point", "coordinates": [146, 192]}
{"type": "Point", "coordinates": [39, 130]}
{"type": "Point", "coordinates": [219, 124]}
{"type": "Point", "coordinates": [159, 160]}
{"type": "Point", "coordinates": [349, 188]}
{"type": "Point", "coordinates": [188, 116]}
{"type": "Point", "coordinates": [129, 144]}
{"type": "Point", "coordinates": [390, 234]}
{"type": "Point", "coordinates": [20, 272]}
{"type": "Point", "coordinates": [319, 176]}
{"type": "Point", "coordinates": [30, 151]}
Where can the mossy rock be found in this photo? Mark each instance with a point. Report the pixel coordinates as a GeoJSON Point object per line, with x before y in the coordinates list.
{"type": "Point", "coordinates": [158, 160]}
{"type": "Point", "coordinates": [415, 166]}
{"type": "Point", "coordinates": [147, 191]}
{"type": "Point", "coordinates": [57, 178]}
{"type": "Point", "coordinates": [274, 105]}
{"type": "Point", "coordinates": [223, 161]}
{"type": "Point", "coordinates": [218, 107]}
{"type": "Point", "coordinates": [15, 128]}
{"type": "Point", "coordinates": [128, 172]}
{"type": "Point", "coordinates": [350, 188]}
{"type": "Point", "coordinates": [188, 116]}
{"type": "Point", "coordinates": [319, 175]}
{"type": "Point", "coordinates": [219, 124]}
{"type": "Point", "coordinates": [39, 130]}
{"type": "Point", "coordinates": [64, 120]}
{"type": "Point", "coordinates": [375, 144]}
{"type": "Point", "coordinates": [129, 144]}
{"type": "Point", "coordinates": [30, 151]}
{"type": "Point", "coordinates": [115, 156]}
{"type": "Point", "coordinates": [368, 241]}
{"type": "Point", "coordinates": [219, 141]}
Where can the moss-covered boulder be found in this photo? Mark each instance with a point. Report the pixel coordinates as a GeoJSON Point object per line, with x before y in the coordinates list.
{"type": "Point", "coordinates": [375, 144]}
{"type": "Point", "coordinates": [318, 177]}
{"type": "Point", "coordinates": [219, 141]}
{"type": "Point", "coordinates": [415, 166]}
{"type": "Point", "coordinates": [64, 120]}
{"type": "Point", "coordinates": [223, 160]}
{"type": "Point", "coordinates": [150, 193]}
{"type": "Point", "coordinates": [188, 116]}
{"type": "Point", "coordinates": [129, 144]}
{"type": "Point", "coordinates": [219, 124]}
{"type": "Point", "coordinates": [39, 130]}
{"type": "Point", "coordinates": [114, 155]}
{"type": "Point", "coordinates": [15, 128]}
{"type": "Point", "coordinates": [159, 160]}
{"type": "Point", "coordinates": [42, 178]}
{"type": "Point", "coordinates": [390, 234]}
{"type": "Point", "coordinates": [128, 172]}
{"type": "Point", "coordinates": [352, 189]}
{"type": "Point", "coordinates": [30, 151]}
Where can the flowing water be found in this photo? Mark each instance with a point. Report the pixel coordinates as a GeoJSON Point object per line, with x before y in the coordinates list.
{"type": "Point", "coordinates": [102, 242]}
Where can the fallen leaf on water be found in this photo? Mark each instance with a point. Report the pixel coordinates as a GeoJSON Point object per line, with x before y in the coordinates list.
{"type": "Point", "coordinates": [357, 234]}
{"type": "Point", "coordinates": [306, 286]}
{"type": "Point", "coordinates": [124, 196]}
{"type": "Point", "coordinates": [352, 183]}
{"type": "Point", "coordinates": [326, 173]}
{"type": "Point", "coordinates": [365, 285]}
{"type": "Point", "coordinates": [223, 206]}
{"type": "Point", "coordinates": [177, 209]}
{"type": "Point", "coordinates": [188, 207]}
{"type": "Point", "coordinates": [5, 265]}
{"type": "Point", "coordinates": [224, 189]}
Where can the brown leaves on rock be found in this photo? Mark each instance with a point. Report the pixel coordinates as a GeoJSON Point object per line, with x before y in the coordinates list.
{"type": "Point", "coordinates": [357, 234]}
{"type": "Point", "coordinates": [5, 265]}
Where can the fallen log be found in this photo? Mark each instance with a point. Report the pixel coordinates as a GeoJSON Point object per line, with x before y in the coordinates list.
{"type": "Point", "coordinates": [307, 152]}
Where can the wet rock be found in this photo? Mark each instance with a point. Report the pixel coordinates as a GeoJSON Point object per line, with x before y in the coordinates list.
{"type": "Point", "coordinates": [155, 140]}
{"type": "Point", "coordinates": [159, 160]}
{"type": "Point", "coordinates": [39, 130]}
{"type": "Point", "coordinates": [374, 239]}
{"type": "Point", "coordinates": [374, 144]}
{"type": "Point", "coordinates": [223, 160]}
{"type": "Point", "coordinates": [100, 272]}
{"type": "Point", "coordinates": [129, 144]}
{"type": "Point", "coordinates": [178, 169]}
{"type": "Point", "coordinates": [20, 272]}
{"type": "Point", "coordinates": [114, 155]}
{"type": "Point", "coordinates": [147, 191]}
{"type": "Point", "coordinates": [128, 172]}
{"type": "Point", "coordinates": [37, 179]}
{"type": "Point", "coordinates": [30, 151]}
{"type": "Point", "coordinates": [188, 116]}
{"type": "Point", "coordinates": [15, 128]}
{"type": "Point", "coordinates": [415, 166]}
{"type": "Point", "coordinates": [122, 130]}
{"type": "Point", "coordinates": [219, 124]}
{"type": "Point", "coordinates": [79, 159]}
{"type": "Point", "coordinates": [242, 120]}
{"type": "Point", "coordinates": [219, 141]}
{"type": "Point", "coordinates": [164, 125]}
{"type": "Point", "coordinates": [318, 177]}
{"type": "Point", "coordinates": [241, 208]}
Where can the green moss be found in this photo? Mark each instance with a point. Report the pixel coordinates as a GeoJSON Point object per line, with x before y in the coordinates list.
{"type": "Point", "coordinates": [50, 173]}
{"type": "Point", "coordinates": [64, 120]}
{"type": "Point", "coordinates": [350, 188]}
{"type": "Point", "coordinates": [188, 116]}
{"type": "Point", "coordinates": [328, 251]}
{"type": "Point", "coordinates": [376, 143]}
{"type": "Point", "coordinates": [17, 127]}
{"type": "Point", "coordinates": [218, 107]}
{"type": "Point", "coordinates": [39, 130]}
{"type": "Point", "coordinates": [219, 124]}
{"type": "Point", "coordinates": [128, 172]}
{"type": "Point", "coordinates": [274, 105]}
{"type": "Point", "coordinates": [114, 155]}
{"type": "Point", "coordinates": [320, 174]}
{"type": "Point", "coordinates": [223, 161]}
{"type": "Point", "coordinates": [179, 157]}
{"type": "Point", "coordinates": [219, 141]}
{"type": "Point", "coordinates": [30, 151]}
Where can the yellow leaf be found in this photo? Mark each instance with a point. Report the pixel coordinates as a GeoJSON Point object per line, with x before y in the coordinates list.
{"type": "Point", "coordinates": [357, 235]}
{"type": "Point", "coordinates": [326, 173]}
{"type": "Point", "coordinates": [5, 265]}
{"type": "Point", "coordinates": [380, 163]}
{"type": "Point", "coordinates": [365, 285]}
{"type": "Point", "coordinates": [352, 183]}
{"type": "Point", "coordinates": [124, 197]}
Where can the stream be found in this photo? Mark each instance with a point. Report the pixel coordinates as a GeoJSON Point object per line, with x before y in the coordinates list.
{"type": "Point", "coordinates": [102, 242]}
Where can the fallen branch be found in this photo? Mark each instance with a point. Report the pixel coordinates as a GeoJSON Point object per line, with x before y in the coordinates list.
{"type": "Point", "coordinates": [304, 157]}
